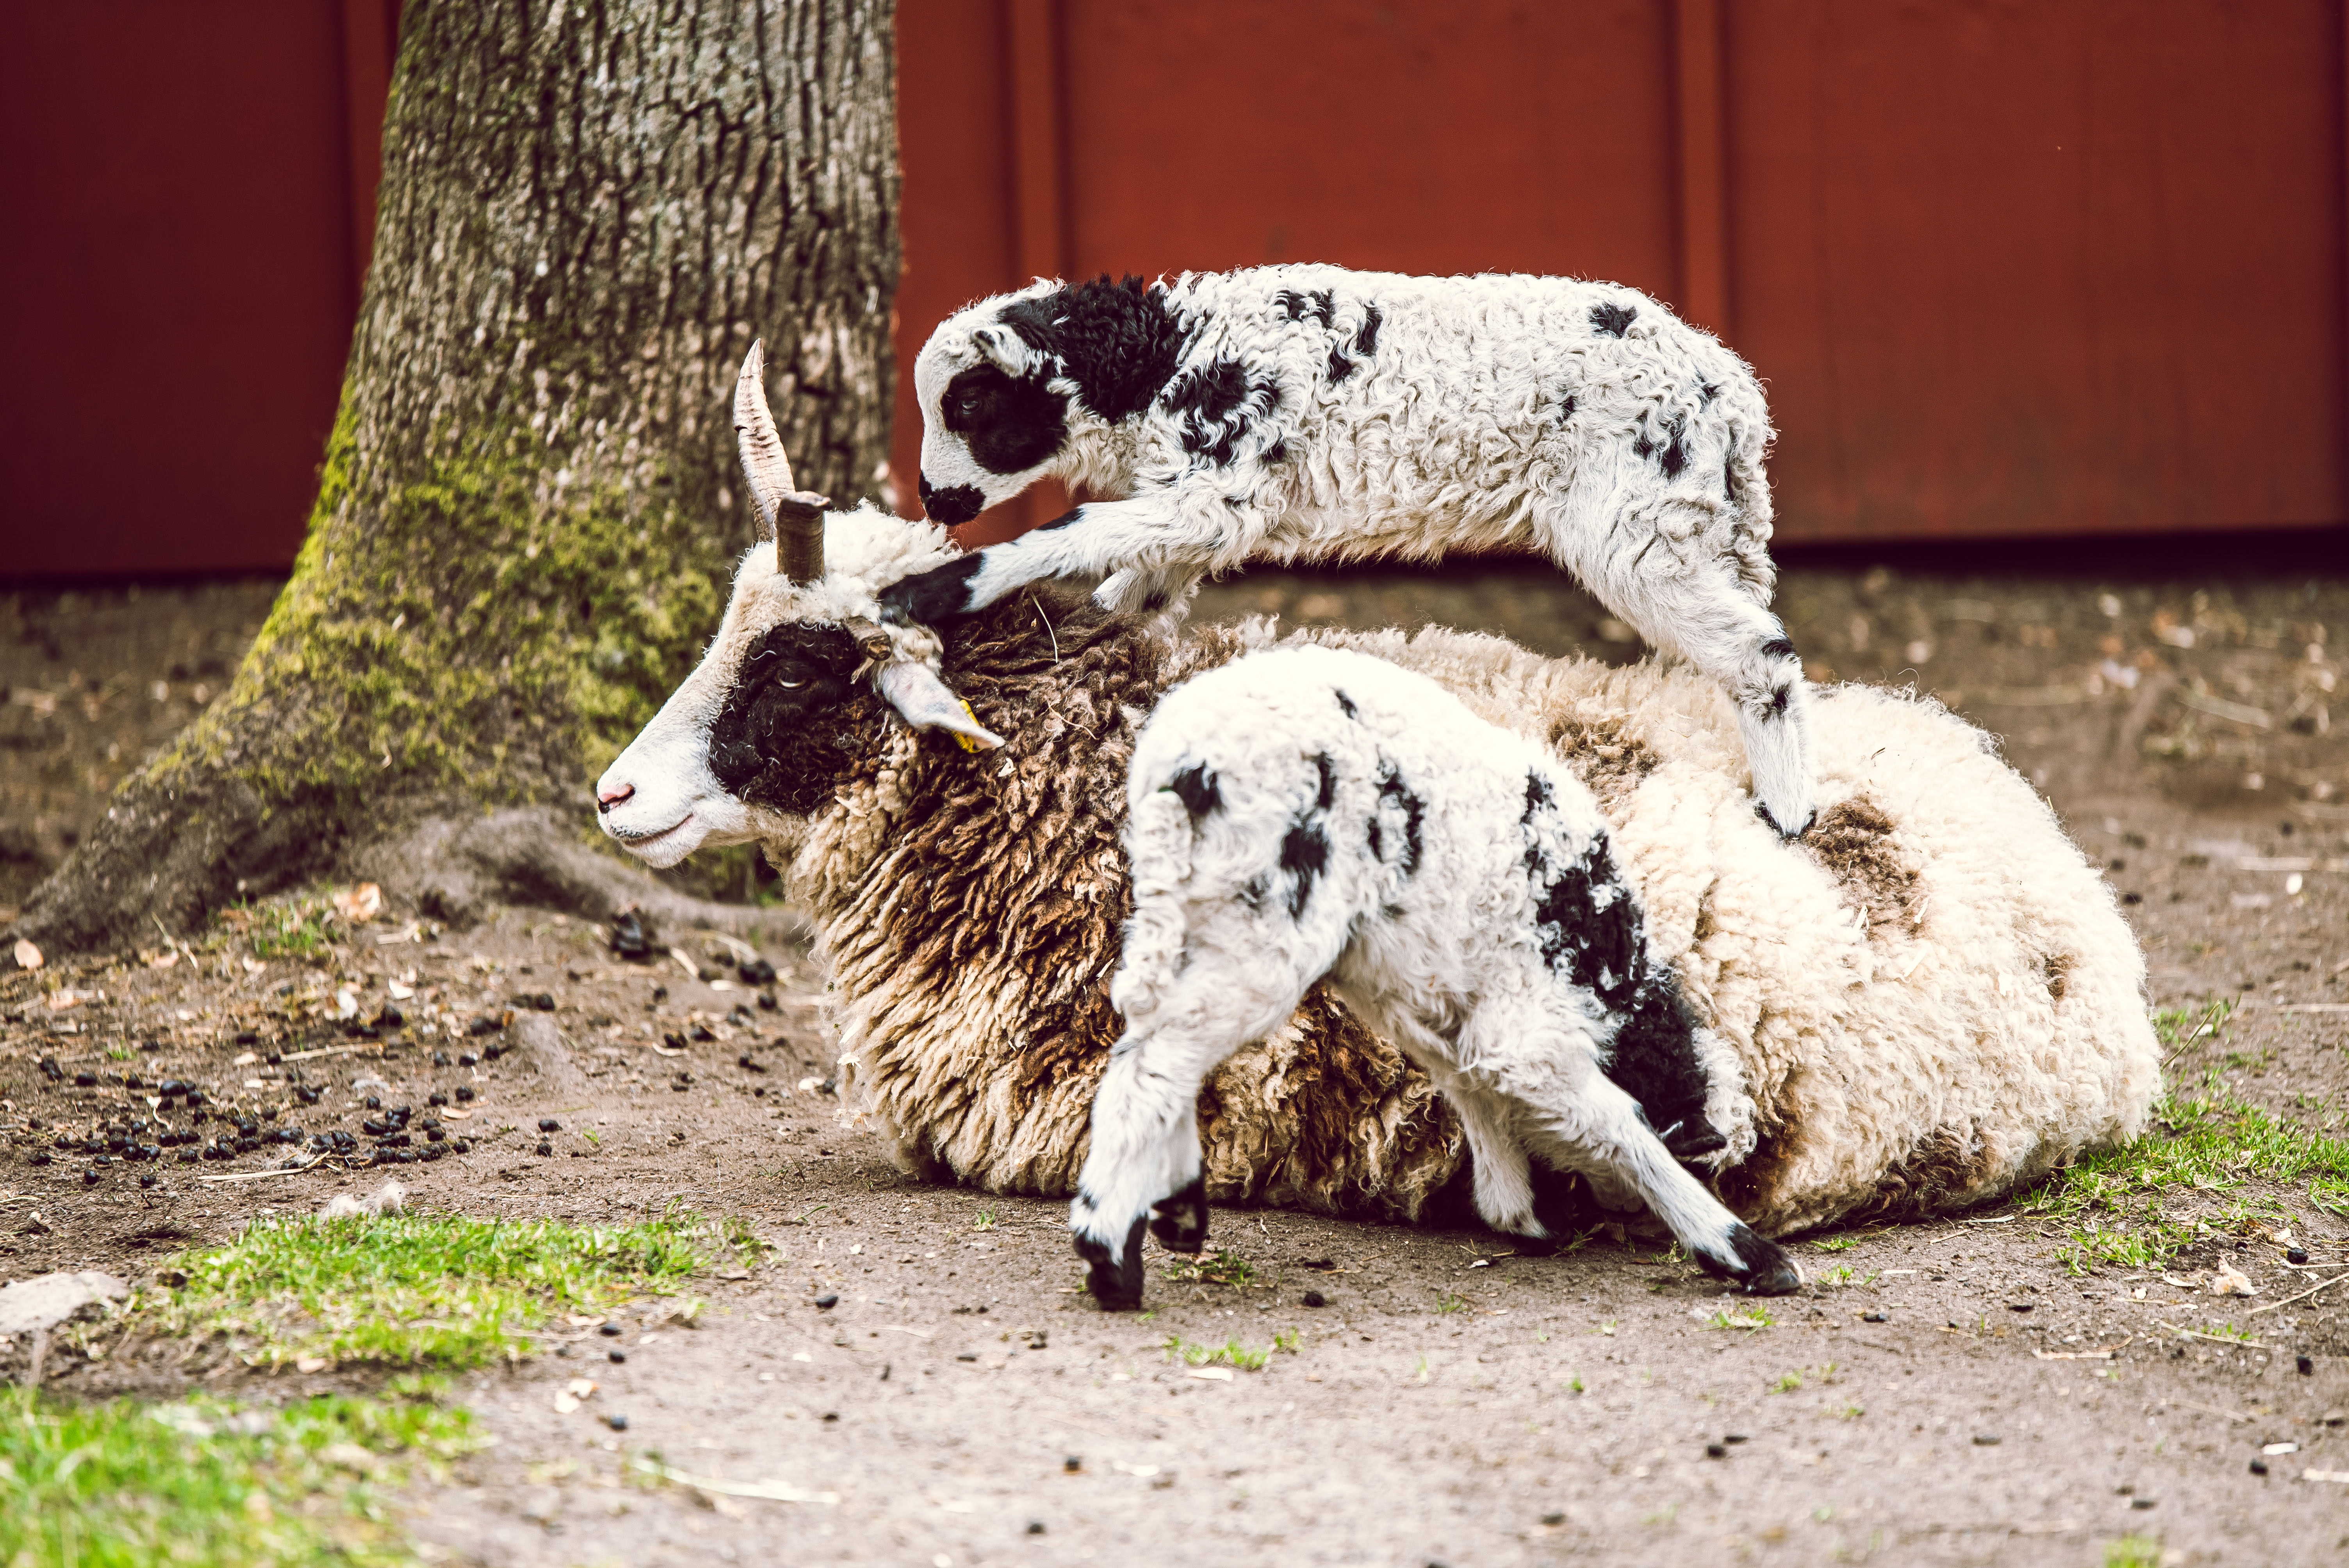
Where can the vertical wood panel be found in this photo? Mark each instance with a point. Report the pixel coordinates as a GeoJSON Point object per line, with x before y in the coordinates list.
{"type": "Point", "coordinates": [1703, 156]}
{"type": "Point", "coordinates": [2042, 268]}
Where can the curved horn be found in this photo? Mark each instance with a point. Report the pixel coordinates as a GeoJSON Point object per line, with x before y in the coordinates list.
{"type": "Point", "coordinates": [789, 517]}
{"type": "Point", "coordinates": [916, 691]}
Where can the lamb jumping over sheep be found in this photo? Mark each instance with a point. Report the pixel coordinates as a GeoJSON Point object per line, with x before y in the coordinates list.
{"type": "Point", "coordinates": [1309, 413]}
{"type": "Point", "coordinates": [1311, 813]}
{"type": "Point", "coordinates": [1928, 1001]}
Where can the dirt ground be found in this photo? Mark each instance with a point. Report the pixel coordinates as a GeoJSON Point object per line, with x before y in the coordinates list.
{"type": "Point", "coordinates": [960, 1402]}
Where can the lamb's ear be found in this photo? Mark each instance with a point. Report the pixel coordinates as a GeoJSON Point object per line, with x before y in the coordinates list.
{"type": "Point", "coordinates": [916, 691]}
{"type": "Point", "coordinates": [1001, 347]}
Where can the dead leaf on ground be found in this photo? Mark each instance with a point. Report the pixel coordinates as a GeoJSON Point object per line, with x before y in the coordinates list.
{"type": "Point", "coordinates": [360, 904]}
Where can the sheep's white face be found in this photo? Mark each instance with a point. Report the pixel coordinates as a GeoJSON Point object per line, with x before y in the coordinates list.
{"type": "Point", "coordinates": [757, 737]}
{"type": "Point", "coordinates": [995, 414]}
{"type": "Point", "coordinates": [662, 799]}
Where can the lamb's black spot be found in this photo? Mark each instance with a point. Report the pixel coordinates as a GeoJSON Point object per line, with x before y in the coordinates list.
{"type": "Point", "coordinates": [1566, 408]}
{"type": "Point", "coordinates": [1196, 787]}
{"type": "Point", "coordinates": [1304, 852]}
{"type": "Point", "coordinates": [1118, 342]}
{"type": "Point", "coordinates": [1366, 338]}
{"type": "Point", "coordinates": [1210, 391]}
{"type": "Point", "coordinates": [1321, 304]}
{"type": "Point", "coordinates": [1612, 320]}
{"type": "Point", "coordinates": [953, 504]}
{"type": "Point", "coordinates": [1339, 367]}
{"type": "Point", "coordinates": [1586, 921]}
{"type": "Point", "coordinates": [1376, 840]}
{"type": "Point", "coordinates": [1538, 795]}
{"type": "Point", "coordinates": [1277, 453]}
{"type": "Point", "coordinates": [786, 745]}
{"type": "Point", "coordinates": [1653, 1060]}
{"type": "Point", "coordinates": [1073, 515]}
{"type": "Point", "coordinates": [1778, 648]}
{"type": "Point", "coordinates": [1778, 701]}
{"type": "Point", "coordinates": [1345, 703]}
{"type": "Point", "coordinates": [1213, 402]}
{"type": "Point", "coordinates": [1394, 791]}
{"type": "Point", "coordinates": [1010, 426]}
{"type": "Point", "coordinates": [1328, 791]}
{"type": "Point", "coordinates": [1675, 456]}
{"type": "Point", "coordinates": [1707, 392]}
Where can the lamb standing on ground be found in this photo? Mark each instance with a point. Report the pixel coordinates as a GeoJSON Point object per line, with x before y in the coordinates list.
{"type": "Point", "coordinates": [1930, 1000]}
{"type": "Point", "coordinates": [1310, 413]}
{"type": "Point", "coordinates": [1312, 813]}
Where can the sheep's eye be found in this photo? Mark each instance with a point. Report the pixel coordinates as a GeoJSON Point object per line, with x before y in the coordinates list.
{"type": "Point", "coordinates": [791, 686]}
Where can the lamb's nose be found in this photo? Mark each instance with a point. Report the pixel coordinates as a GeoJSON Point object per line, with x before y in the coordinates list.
{"type": "Point", "coordinates": [608, 799]}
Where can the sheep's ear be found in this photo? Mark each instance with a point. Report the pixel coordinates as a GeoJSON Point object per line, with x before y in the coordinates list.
{"type": "Point", "coordinates": [916, 692]}
{"type": "Point", "coordinates": [1001, 347]}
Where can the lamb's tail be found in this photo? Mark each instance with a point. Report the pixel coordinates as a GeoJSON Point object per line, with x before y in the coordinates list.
{"type": "Point", "coordinates": [1158, 848]}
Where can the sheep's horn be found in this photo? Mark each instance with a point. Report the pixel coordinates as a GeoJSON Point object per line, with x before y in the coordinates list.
{"type": "Point", "coordinates": [789, 517]}
{"type": "Point", "coordinates": [916, 691]}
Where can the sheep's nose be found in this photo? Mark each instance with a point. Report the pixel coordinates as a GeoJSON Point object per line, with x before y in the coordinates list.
{"type": "Point", "coordinates": [608, 799]}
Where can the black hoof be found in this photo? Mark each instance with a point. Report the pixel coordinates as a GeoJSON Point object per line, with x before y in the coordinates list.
{"type": "Point", "coordinates": [1115, 1282]}
{"type": "Point", "coordinates": [1692, 1141]}
{"type": "Point", "coordinates": [1763, 1266]}
{"type": "Point", "coordinates": [1779, 828]}
{"type": "Point", "coordinates": [1180, 1223]}
{"type": "Point", "coordinates": [928, 597]}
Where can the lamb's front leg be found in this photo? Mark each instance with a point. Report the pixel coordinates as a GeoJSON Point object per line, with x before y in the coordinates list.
{"type": "Point", "coordinates": [1144, 1164]}
{"type": "Point", "coordinates": [1097, 538]}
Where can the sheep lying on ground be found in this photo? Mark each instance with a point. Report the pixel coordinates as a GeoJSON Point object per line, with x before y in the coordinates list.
{"type": "Point", "coordinates": [1312, 413]}
{"type": "Point", "coordinates": [1926, 1001]}
{"type": "Point", "coordinates": [1311, 813]}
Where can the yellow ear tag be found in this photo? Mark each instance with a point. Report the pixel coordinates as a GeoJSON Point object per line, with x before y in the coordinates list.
{"type": "Point", "coordinates": [965, 741]}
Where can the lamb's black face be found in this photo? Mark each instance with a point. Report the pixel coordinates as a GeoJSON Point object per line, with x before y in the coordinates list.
{"type": "Point", "coordinates": [794, 720]}
{"type": "Point", "coordinates": [1009, 424]}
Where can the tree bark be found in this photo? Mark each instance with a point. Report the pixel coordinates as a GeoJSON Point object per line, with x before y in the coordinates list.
{"type": "Point", "coordinates": [530, 505]}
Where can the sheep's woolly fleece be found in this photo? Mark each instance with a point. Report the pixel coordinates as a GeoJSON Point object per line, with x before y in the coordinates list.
{"type": "Point", "coordinates": [1933, 999]}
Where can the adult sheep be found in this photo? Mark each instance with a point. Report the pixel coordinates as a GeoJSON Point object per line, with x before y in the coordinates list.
{"type": "Point", "coordinates": [1927, 1002]}
{"type": "Point", "coordinates": [1308, 413]}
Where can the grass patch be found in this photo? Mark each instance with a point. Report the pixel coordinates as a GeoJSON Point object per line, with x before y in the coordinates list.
{"type": "Point", "coordinates": [1230, 1354]}
{"type": "Point", "coordinates": [1451, 1302]}
{"type": "Point", "coordinates": [1749, 1318]}
{"type": "Point", "coordinates": [2134, 1551]}
{"type": "Point", "coordinates": [298, 925]}
{"type": "Point", "coordinates": [212, 1483]}
{"type": "Point", "coordinates": [1837, 1243]}
{"type": "Point", "coordinates": [1224, 1268]}
{"type": "Point", "coordinates": [2204, 1138]}
{"type": "Point", "coordinates": [413, 1289]}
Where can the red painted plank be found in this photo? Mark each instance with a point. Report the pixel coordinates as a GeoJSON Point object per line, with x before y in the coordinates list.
{"type": "Point", "coordinates": [2027, 267]}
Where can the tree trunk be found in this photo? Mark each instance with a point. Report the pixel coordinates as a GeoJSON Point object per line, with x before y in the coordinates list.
{"type": "Point", "coordinates": [529, 507]}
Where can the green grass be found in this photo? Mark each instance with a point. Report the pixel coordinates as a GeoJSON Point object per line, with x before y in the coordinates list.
{"type": "Point", "coordinates": [1449, 1302]}
{"type": "Point", "coordinates": [1231, 1354]}
{"type": "Point", "coordinates": [212, 1484]}
{"type": "Point", "coordinates": [1789, 1383]}
{"type": "Point", "coordinates": [414, 1289]}
{"type": "Point", "coordinates": [2204, 1138]}
{"type": "Point", "coordinates": [1837, 1243]}
{"type": "Point", "coordinates": [2134, 1551]}
{"type": "Point", "coordinates": [1225, 1268]}
{"type": "Point", "coordinates": [1749, 1318]}
{"type": "Point", "coordinates": [295, 926]}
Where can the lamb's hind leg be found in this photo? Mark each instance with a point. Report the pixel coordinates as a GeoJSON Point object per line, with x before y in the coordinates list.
{"type": "Point", "coordinates": [1598, 1128]}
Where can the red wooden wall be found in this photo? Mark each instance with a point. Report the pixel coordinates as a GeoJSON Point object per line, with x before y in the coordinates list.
{"type": "Point", "coordinates": [2009, 267]}
{"type": "Point", "coordinates": [189, 196]}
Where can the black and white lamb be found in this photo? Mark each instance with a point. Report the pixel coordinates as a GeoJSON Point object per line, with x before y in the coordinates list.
{"type": "Point", "coordinates": [1311, 413]}
{"type": "Point", "coordinates": [1928, 1001]}
{"type": "Point", "coordinates": [1314, 813]}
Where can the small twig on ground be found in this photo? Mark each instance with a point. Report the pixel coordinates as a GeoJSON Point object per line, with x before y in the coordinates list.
{"type": "Point", "coordinates": [259, 1175]}
{"type": "Point", "coordinates": [2303, 1295]}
